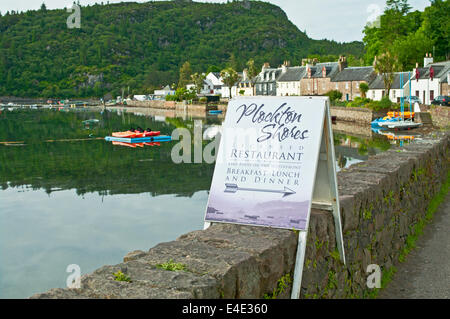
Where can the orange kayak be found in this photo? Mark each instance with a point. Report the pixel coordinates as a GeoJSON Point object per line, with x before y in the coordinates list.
{"type": "Point", "coordinates": [127, 134]}
{"type": "Point", "coordinates": [399, 114]}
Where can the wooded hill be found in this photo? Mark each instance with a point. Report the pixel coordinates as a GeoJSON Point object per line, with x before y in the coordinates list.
{"type": "Point", "coordinates": [142, 46]}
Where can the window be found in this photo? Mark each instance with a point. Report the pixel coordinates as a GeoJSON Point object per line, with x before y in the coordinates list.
{"type": "Point", "coordinates": [357, 85]}
{"type": "Point", "coordinates": [393, 94]}
{"type": "Point", "coordinates": [337, 86]}
{"type": "Point", "coordinates": [373, 95]}
{"type": "Point", "coordinates": [346, 85]}
{"type": "Point", "coordinates": [431, 95]}
{"type": "Point", "coordinates": [309, 86]}
{"type": "Point", "coordinates": [417, 93]}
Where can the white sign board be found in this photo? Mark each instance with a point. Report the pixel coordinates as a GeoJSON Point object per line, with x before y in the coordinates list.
{"type": "Point", "coordinates": [275, 161]}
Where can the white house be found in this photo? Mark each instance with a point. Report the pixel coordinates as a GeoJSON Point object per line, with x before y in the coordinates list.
{"type": "Point", "coordinates": [165, 91]}
{"type": "Point", "coordinates": [288, 83]}
{"type": "Point", "coordinates": [207, 89]}
{"type": "Point", "coordinates": [216, 80]}
{"type": "Point", "coordinates": [377, 89]}
{"type": "Point", "coordinates": [428, 82]}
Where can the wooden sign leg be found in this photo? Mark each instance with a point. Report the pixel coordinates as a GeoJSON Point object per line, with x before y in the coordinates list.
{"type": "Point", "coordinates": [299, 261]}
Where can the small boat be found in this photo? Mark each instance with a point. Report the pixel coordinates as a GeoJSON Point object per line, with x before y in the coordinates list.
{"type": "Point", "coordinates": [378, 122]}
{"type": "Point", "coordinates": [151, 133]}
{"type": "Point", "coordinates": [151, 139]}
{"type": "Point", "coordinates": [401, 125]}
{"type": "Point", "coordinates": [127, 134]}
{"type": "Point", "coordinates": [91, 121]}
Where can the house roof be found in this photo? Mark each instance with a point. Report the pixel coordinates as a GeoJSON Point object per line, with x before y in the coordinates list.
{"type": "Point", "coordinates": [440, 71]}
{"type": "Point", "coordinates": [269, 71]}
{"type": "Point", "coordinates": [378, 83]}
{"type": "Point", "coordinates": [331, 68]}
{"type": "Point", "coordinates": [360, 73]}
{"type": "Point", "coordinates": [293, 74]}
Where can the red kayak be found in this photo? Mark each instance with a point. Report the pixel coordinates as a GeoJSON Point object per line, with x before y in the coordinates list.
{"type": "Point", "coordinates": [152, 133]}
{"type": "Point", "coordinates": [128, 134]}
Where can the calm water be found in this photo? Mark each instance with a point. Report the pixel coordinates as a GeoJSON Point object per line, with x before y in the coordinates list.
{"type": "Point", "coordinates": [89, 203]}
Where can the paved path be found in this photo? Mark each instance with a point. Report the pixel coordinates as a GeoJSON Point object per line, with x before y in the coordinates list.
{"type": "Point", "coordinates": [426, 271]}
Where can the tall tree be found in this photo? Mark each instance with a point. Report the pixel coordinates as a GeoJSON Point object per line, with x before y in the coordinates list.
{"type": "Point", "coordinates": [385, 65]}
{"type": "Point", "coordinates": [185, 75]}
{"type": "Point", "coordinates": [229, 78]}
{"type": "Point", "coordinates": [252, 72]}
{"type": "Point", "coordinates": [198, 79]}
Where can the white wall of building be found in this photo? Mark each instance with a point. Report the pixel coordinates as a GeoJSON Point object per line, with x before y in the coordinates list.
{"type": "Point", "coordinates": [288, 88]}
{"type": "Point", "coordinates": [425, 86]}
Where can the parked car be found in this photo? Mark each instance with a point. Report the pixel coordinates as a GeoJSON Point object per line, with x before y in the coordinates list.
{"type": "Point", "coordinates": [414, 99]}
{"type": "Point", "coordinates": [441, 100]}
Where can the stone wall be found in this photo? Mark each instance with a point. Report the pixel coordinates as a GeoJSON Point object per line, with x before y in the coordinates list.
{"type": "Point", "coordinates": [354, 114]}
{"type": "Point", "coordinates": [381, 201]}
{"type": "Point", "coordinates": [153, 104]}
{"type": "Point", "coordinates": [440, 116]}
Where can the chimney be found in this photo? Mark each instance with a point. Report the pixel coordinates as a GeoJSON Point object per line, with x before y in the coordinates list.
{"type": "Point", "coordinates": [244, 75]}
{"type": "Point", "coordinates": [324, 71]}
{"type": "Point", "coordinates": [342, 62]}
{"type": "Point", "coordinates": [265, 66]}
{"type": "Point", "coordinates": [427, 60]}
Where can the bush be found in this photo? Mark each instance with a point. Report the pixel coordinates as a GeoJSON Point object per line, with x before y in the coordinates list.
{"type": "Point", "coordinates": [358, 102]}
{"type": "Point", "coordinates": [203, 99]}
{"type": "Point", "coordinates": [334, 95]}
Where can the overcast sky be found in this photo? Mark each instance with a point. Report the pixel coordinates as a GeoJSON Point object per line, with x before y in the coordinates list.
{"type": "Point", "coordinates": [340, 20]}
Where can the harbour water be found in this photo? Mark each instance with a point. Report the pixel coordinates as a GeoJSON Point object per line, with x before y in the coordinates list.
{"type": "Point", "coordinates": [69, 197]}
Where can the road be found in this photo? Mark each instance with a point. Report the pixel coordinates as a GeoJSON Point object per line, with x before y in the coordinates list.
{"type": "Point", "coordinates": [426, 271]}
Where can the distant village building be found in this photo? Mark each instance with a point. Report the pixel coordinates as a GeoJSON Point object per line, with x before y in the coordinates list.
{"type": "Point", "coordinates": [348, 80]}
{"type": "Point", "coordinates": [234, 88]}
{"type": "Point", "coordinates": [318, 78]}
{"type": "Point", "coordinates": [164, 92]}
{"type": "Point", "coordinates": [216, 80]}
{"type": "Point", "coordinates": [431, 80]}
{"type": "Point", "coordinates": [288, 83]}
{"type": "Point", "coordinates": [245, 86]}
{"type": "Point", "coordinates": [377, 89]}
{"type": "Point", "coordinates": [266, 81]}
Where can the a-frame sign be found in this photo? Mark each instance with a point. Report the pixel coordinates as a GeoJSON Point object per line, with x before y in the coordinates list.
{"type": "Point", "coordinates": [275, 162]}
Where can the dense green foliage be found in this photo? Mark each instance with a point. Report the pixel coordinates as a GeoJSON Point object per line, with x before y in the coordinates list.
{"type": "Point", "coordinates": [144, 45]}
{"type": "Point", "coordinates": [408, 36]}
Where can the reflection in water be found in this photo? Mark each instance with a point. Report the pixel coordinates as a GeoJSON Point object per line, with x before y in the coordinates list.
{"type": "Point", "coordinates": [69, 197]}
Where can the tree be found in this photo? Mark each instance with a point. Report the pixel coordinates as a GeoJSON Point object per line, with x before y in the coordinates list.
{"type": "Point", "coordinates": [198, 79]}
{"type": "Point", "coordinates": [43, 7]}
{"type": "Point", "coordinates": [401, 6]}
{"type": "Point", "coordinates": [229, 77]}
{"type": "Point", "coordinates": [252, 72]}
{"type": "Point", "coordinates": [363, 88]}
{"type": "Point", "coordinates": [385, 65]}
{"type": "Point", "coordinates": [185, 75]}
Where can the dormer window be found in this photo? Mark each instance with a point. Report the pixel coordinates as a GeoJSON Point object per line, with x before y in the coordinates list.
{"type": "Point", "coordinates": [273, 76]}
